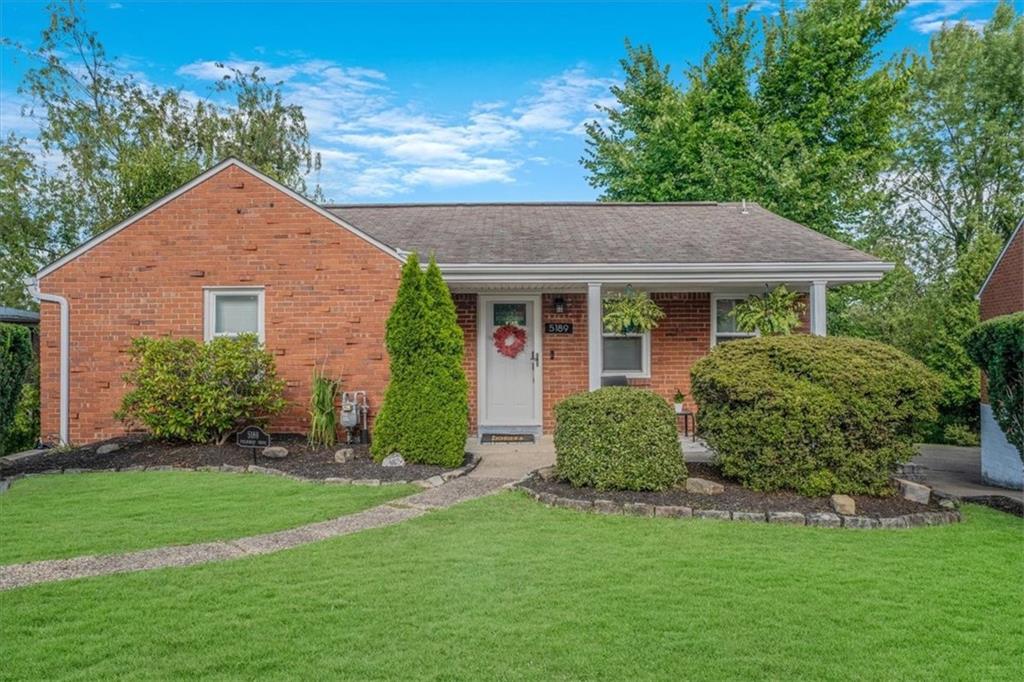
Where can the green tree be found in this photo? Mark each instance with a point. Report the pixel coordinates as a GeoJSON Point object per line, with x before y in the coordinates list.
{"type": "Point", "coordinates": [804, 129]}
{"type": "Point", "coordinates": [960, 160]}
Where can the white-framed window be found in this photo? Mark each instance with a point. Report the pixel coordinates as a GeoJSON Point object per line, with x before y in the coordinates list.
{"type": "Point", "coordinates": [627, 355]}
{"type": "Point", "coordinates": [723, 325]}
{"type": "Point", "coordinates": [232, 311]}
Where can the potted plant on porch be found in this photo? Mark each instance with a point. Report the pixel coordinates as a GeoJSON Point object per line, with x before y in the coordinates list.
{"type": "Point", "coordinates": [678, 399]}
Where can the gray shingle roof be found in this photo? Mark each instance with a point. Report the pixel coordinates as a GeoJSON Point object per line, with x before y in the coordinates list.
{"type": "Point", "coordinates": [596, 233]}
{"type": "Point", "coordinates": [16, 316]}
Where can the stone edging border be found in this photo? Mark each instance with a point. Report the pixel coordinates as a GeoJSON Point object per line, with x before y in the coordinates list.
{"type": "Point", "coordinates": [820, 519]}
{"type": "Point", "coordinates": [430, 482]}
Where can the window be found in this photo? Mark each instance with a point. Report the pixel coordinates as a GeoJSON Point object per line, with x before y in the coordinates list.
{"type": "Point", "coordinates": [230, 312]}
{"type": "Point", "coordinates": [626, 354]}
{"type": "Point", "coordinates": [723, 325]}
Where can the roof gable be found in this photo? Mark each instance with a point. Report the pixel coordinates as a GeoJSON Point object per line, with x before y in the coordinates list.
{"type": "Point", "coordinates": [227, 163]}
{"type": "Point", "coordinates": [999, 259]}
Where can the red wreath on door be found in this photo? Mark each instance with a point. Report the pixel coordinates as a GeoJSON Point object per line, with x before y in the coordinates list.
{"type": "Point", "coordinates": [510, 340]}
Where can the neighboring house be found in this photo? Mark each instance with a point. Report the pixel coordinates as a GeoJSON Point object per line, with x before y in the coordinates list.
{"type": "Point", "coordinates": [25, 318]}
{"type": "Point", "coordinates": [1001, 294]}
{"type": "Point", "coordinates": [235, 251]}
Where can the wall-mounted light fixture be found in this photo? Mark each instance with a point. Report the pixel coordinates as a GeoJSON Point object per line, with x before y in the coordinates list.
{"type": "Point", "coordinates": [559, 305]}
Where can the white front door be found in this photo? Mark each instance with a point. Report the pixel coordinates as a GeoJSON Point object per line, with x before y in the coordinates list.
{"type": "Point", "coordinates": [510, 378]}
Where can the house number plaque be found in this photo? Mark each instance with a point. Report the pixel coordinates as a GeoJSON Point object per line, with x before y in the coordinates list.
{"type": "Point", "coordinates": [558, 327]}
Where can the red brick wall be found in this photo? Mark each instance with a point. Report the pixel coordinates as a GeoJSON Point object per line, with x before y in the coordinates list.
{"type": "Point", "coordinates": [566, 369]}
{"type": "Point", "coordinates": [1004, 293]}
{"type": "Point", "coordinates": [679, 340]}
{"type": "Point", "coordinates": [465, 306]}
{"type": "Point", "coordinates": [328, 293]}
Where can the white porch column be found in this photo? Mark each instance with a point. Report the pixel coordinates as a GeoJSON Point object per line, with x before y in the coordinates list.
{"type": "Point", "coordinates": [594, 331]}
{"type": "Point", "coordinates": [818, 308]}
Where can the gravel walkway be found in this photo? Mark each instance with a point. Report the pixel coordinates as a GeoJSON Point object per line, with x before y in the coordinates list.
{"type": "Point", "coordinates": [396, 511]}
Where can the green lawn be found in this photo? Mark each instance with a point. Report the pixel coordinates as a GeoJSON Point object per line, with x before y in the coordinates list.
{"type": "Point", "coordinates": [51, 517]}
{"type": "Point", "coordinates": [503, 588]}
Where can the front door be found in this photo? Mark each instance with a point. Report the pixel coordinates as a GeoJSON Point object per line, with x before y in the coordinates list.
{"type": "Point", "coordinates": [511, 359]}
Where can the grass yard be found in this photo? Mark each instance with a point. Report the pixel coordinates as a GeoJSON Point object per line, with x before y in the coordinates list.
{"type": "Point", "coordinates": [52, 517]}
{"type": "Point", "coordinates": [503, 588]}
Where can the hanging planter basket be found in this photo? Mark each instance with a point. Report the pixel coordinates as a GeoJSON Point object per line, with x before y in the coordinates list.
{"type": "Point", "coordinates": [631, 312]}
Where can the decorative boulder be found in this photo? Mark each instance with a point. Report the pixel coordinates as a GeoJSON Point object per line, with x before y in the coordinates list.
{"type": "Point", "coordinates": [844, 504]}
{"type": "Point", "coordinates": [344, 455]}
{"type": "Point", "coordinates": [275, 452]}
{"type": "Point", "coordinates": [701, 486]}
{"type": "Point", "coordinates": [107, 449]}
{"type": "Point", "coordinates": [393, 460]}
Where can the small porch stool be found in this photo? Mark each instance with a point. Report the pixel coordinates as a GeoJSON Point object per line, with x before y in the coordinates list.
{"type": "Point", "coordinates": [689, 420]}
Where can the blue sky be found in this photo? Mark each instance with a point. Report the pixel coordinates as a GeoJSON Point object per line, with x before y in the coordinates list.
{"type": "Point", "coordinates": [420, 101]}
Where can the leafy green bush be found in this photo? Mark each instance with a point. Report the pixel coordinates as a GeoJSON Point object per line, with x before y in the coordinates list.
{"type": "Point", "coordinates": [997, 346]}
{"type": "Point", "coordinates": [812, 414]}
{"type": "Point", "coordinates": [618, 438]}
{"type": "Point", "coordinates": [187, 390]}
{"type": "Point", "coordinates": [425, 414]}
{"type": "Point", "coordinates": [15, 359]}
{"type": "Point", "coordinates": [777, 313]}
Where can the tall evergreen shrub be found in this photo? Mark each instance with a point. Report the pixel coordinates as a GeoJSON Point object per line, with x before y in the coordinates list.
{"type": "Point", "coordinates": [997, 346]}
{"type": "Point", "coordinates": [425, 411]}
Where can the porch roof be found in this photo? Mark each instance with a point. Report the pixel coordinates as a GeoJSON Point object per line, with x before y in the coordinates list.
{"type": "Point", "coordinates": [596, 234]}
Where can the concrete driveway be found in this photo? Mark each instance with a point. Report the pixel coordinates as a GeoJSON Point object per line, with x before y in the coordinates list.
{"type": "Point", "coordinates": [957, 471]}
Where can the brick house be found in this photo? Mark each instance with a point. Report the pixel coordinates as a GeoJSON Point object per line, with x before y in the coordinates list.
{"type": "Point", "coordinates": [235, 251]}
{"type": "Point", "coordinates": [1001, 294]}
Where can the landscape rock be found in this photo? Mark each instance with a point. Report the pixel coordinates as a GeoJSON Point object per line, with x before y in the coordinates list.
{"type": "Point", "coordinates": [843, 504]}
{"type": "Point", "coordinates": [710, 514]}
{"type": "Point", "coordinates": [859, 522]}
{"type": "Point", "coordinates": [547, 473]}
{"type": "Point", "coordinates": [915, 492]}
{"type": "Point", "coordinates": [572, 503]}
{"type": "Point", "coordinates": [791, 518]}
{"type": "Point", "coordinates": [434, 481]}
{"type": "Point", "coordinates": [606, 507]}
{"type": "Point", "coordinates": [107, 449]}
{"type": "Point", "coordinates": [232, 469]}
{"type": "Point", "coordinates": [393, 460]}
{"type": "Point", "coordinates": [335, 480]}
{"type": "Point", "coordinates": [372, 482]}
{"type": "Point", "coordinates": [275, 452]}
{"type": "Point", "coordinates": [672, 511]}
{"type": "Point", "coordinates": [638, 508]}
{"type": "Point", "coordinates": [756, 517]}
{"type": "Point", "coordinates": [893, 522]}
{"type": "Point", "coordinates": [700, 486]}
{"type": "Point", "coordinates": [824, 520]}
{"type": "Point", "coordinates": [344, 455]}
{"type": "Point", "coordinates": [947, 503]}
{"type": "Point", "coordinates": [547, 498]}
{"type": "Point", "coordinates": [260, 470]}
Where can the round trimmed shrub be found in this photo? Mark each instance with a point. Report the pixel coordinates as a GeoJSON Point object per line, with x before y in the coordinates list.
{"type": "Point", "coordinates": [618, 438]}
{"type": "Point", "coordinates": [812, 414]}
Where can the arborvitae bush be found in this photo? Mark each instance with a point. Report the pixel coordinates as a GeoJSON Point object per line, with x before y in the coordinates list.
{"type": "Point", "coordinates": [997, 346]}
{"type": "Point", "coordinates": [425, 414]}
{"type": "Point", "coordinates": [15, 359]}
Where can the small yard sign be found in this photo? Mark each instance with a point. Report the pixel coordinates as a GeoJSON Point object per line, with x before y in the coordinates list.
{"type": "Point", "coordinates": [252, 437]}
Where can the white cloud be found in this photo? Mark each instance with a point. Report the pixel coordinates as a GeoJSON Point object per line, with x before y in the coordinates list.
{"type": "Point", "coordinates": [373, 147]}
{"type": "Point", "coordinates": [941, 13]}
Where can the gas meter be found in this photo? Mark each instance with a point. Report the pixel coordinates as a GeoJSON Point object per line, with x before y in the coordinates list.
{"type": "Point", "coordinates": [354, 412]}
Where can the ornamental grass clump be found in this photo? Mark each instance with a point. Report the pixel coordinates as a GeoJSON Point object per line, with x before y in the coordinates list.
{"type": "Point", "coordinates": [618, 438]}
{"type": "Point", "coordinates": [812, 414]}
{"type": "Point", "coordinates": [322, 415]}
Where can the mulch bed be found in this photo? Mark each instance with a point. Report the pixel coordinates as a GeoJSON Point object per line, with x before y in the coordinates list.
{"type": "Point", "coordinates": [735, 497]}
{"type": "Point", "coordinates": [302, 460]}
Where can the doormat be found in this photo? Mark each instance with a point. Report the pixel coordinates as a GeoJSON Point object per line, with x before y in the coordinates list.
{"type": "Point", "coordinates": [490, 438]}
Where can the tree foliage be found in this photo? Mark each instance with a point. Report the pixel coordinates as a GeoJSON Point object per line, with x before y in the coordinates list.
{"type": "Point", "coordinates": [630, 311]}
{"type": "Point", "coordinates": [804, 127]}
{"type": "Point", "coordinates": [997, 346]}
{"type": "Point", "coordinates": [15, 359]}
{"type": "Point", "coordinates": [121, 143]}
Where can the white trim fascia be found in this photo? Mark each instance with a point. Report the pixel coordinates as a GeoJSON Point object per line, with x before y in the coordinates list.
{"type": "Point", "coordinates": [110, 232]}
{"type": "Point", "coordinates": [999, 259]}
{"type": "Point", "coordinates": [636, 273]}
